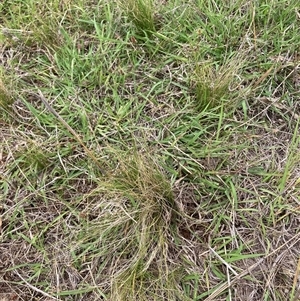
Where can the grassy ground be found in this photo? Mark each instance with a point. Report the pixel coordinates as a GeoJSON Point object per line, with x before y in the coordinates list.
{"type": "Point", "coordinates": [149, 150]}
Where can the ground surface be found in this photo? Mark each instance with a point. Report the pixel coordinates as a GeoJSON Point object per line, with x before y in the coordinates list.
{"type": "Point", "coordinates": [149, 151]}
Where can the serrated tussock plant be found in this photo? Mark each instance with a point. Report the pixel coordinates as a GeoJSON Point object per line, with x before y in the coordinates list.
{"type": "Point", "coordinates": [136, 215]}
{"type": "Point", "coordinates": [141, 13]}
{"type": "Point", "coordinates": [212, 83]}
{"type": "Point", "coordinates": [5, 97]}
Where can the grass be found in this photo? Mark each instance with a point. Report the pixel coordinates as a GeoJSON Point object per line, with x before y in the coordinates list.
{"type": "Point", "coordinates": [141, 13]}
{"type": "Point", "coordinates": [212, 85]}
{"type": "Point", "coordinates": [149, 150]}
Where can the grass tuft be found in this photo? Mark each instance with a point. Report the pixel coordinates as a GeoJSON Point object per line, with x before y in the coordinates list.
{"type": "Point", "coordinates": [5, 97]}
{"type": "Point", "coordinates": [134, 227]}
{"type": "Point", "coordinates": [141, 13]}
{"type": "Point", "coordinates": [213, 83]}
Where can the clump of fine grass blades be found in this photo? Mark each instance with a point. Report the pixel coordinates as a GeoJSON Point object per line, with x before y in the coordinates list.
{"type": "Point", "coordinates": [141, 13]}
{"type": "Point", "coordinates": [5, 97]}
{"type": "Point", "coordinates": [31, 158]}
{"type": "Point", "coordinates": [212, 83]}
{"type": "Point", "coordinates": [133, 230]}
{"type": "Point", "coordinates": [32, 23]}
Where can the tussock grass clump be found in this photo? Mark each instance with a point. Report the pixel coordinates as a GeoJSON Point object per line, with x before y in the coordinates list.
{"type": "Point", "coordinates": [212, 84]}
{"type": "Point", "coordinates": [141, 13]}
{"type": "Point", "coordinates": [5, 97]}
{"type": "Point", "coordinates": [134, 228]}
{"type": "Point", "coordinates": [31, 157]}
